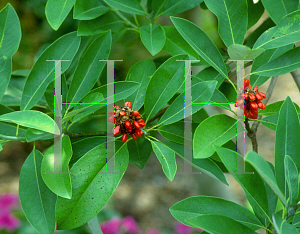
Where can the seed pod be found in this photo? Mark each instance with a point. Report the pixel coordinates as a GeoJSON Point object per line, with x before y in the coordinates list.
{"type": "Point", "coordinates": [117, 130]}
{"type": "Point", "coordinates": [246, 83]}
{"type": "Point", "coordinates": [135, 113]}
{"type": "Point", "coordinates": [255, 88]}
{"type": "Point", "coordinates": [262, 94]}
{"type": "Point", "coordinates": [124, 137]}
{"type": "Point", "coordinates": [134, 136]}
{"type": "Point", "coordinates": [127, 124]}
{"type": "Point", "coordinates": [136, 124]}
{"type": "Point", "coordinates": [258, 97]}
{"type": "Point", "coordinates": [251, 96]}
{"type": "Point", "coordinates": [254, 105]}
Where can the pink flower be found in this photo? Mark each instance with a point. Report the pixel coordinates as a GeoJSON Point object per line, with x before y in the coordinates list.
{"type": "Point", "coordinates": [154, 231]}
{"type": "Point", "coordinates": [130, 225]}
{"type": "Point", "coordinates": [180, 228]}
{"type": "Point", "coordinates": [112, 226]}
{"type": "Point", "coordinates": [8, 201]}
{"type": "Point", "coordinates": [8, 221]}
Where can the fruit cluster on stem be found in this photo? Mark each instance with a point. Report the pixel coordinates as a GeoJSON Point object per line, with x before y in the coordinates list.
{"type": "Point", "coordinates": [127, 121]}
{"type": "Point", "coordinates": [250, 100]}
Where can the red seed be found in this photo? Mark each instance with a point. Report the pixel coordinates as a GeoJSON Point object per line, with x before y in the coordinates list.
{"type": "Point", "coordinates": [111, 119]}
{"type": "Point", "coordinates": [246, 83]}
{"type": "Point", "coordinates": [128, 104]}
{"type": "Point", "coordinates": [117, 107]}
{"type": "Point", "coordinates": [135, 113]}
{"type": "Point", "coordinates": [240, 102]}
{"type": "Point", "coordinates": [130, 129]}
{"type": "Point", "coordinates": [137, 132]}
{"type": "Point", "coordinates": [255, 88]}
{"type": "Point", "coordinates": [141, 123]}
{"type": "Point", "coordinates": [246, 112]}
{"type": "Point", "coordinates": [117, 130]}
{"type": "Point", "coordinates": [258, 97]}
{"type": "Point", "coordinates": [261, 105]}
{"type": "Point", "coordinates": [136, 124]}
{"type": "Point", "coordinates": [262, 94]}
{"type": "Point", "coordinates": [124, 137]}
{"type": "Point", "coordinates": [251, 96]}
{"type": "Point", "coordinates": [127, 124]}
{"type": "Point", "coordinates": [246, 96]}
{"type": "Point", "coordinates": [122, 113]}
{"type": "Point", "coordinates": [134, 136]}
{"type": "Point", "coordinates": [254, 105]}
{"type": "Point", "coordinates": [250, 86]}
{"type": "Point", "coordinates": [235, 104]}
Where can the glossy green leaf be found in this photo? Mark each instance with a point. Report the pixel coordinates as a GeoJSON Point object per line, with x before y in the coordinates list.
{"type": "Point", "coordinates": [255, 11]}
{"type": "Point", "coordinates": [214, 131]}
{"type": "Point", "coordinates": [140, 73]}
{"type": "Point", "coordinates": [57, 11]}
{"type": "Point", "coordinates": [272, 121]}
{"type": "Point", "coordinates": [108, 21]}
{"type": "Point", "coordinates": [166, 157]}
{"type": "Point", "coordinates": [35, 135]}
{"type": "Point", "coordinates": [139, 151]}
{"type": "Point", "coordinates": [286, 140]}
{"type": "Point", "coordinates": [205, 165]}
{"type": "Point", "coordinates": [265, 57]}
{"type": "Point", "coordinates": [42, 72]}
{"type": "Point", "coordinates": [292, 178]}
{"type": "Point", "coordinates": [164, 83]}
{"type": "Point", "coordinates": [31, 119]}
{"type": "Point", "coordinates": [296, 219]}
{"type": "Point", "coordinates": [202, 92]}
{"type": "Point", "coordinates": [272, 197]}
{"type": "Point", "coordinates": [278, 9]}
{"type": "Point", "coordinates": [88, 10]}
{"type": "Point", "coordinates": [10, 34]}
{"type": "Point", "coordinates": [210, 73]}
{"type": "Point", "coordinates": [128, 6]}
{"type": "Point", "coordinates": [232, 17]}
{"type": "Point", "coordinates": [91, 190]}
{"type": "Point", "coordinates": [201, 43]}
{"type": "Point", "coordinates": [59, 183]}
{"type": "Point", "coordinates": [153, 37]}
{"type": "Point", "coordinates": [282, 226]}
{"type": "Point", "coordinates": [281, 65]}
{"type": "Point", "coordinates": [37, 200]}
{"type": "Point", "coordinates": [5, 109]}
{"type": "Point", "coordinates": [22, 73]}
{"type": "Point", "coordinates": [175, 44]}
{"type": "Point", "coordinates": [224, 224]}
{"type": "Point", "coordinates": [8, 129]}
{"type": "Point", "coordinates": [286, 32]}
{"type": "Point", "coordinates": [263, 168]}
{"type": "Point", "coordinates": [274, 108]}
{"type": "Point", "coordinates": [241, 52]}
{"type": "Point", "coordinates": [201, 205]}
{"type": "Point", "coordinates": [251, 183]}
{"type": "Point", "coordinates": [89, 68]}
{"type": "Point", "coordinates": [172, 7]}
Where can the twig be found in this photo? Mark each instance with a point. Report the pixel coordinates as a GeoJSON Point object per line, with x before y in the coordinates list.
{"type": "Point", "coordinates": [127, 21]}
{"type": "Point", "coordinates": [12, 138]}
{"type": "Point", "coordinates": [296, 77]}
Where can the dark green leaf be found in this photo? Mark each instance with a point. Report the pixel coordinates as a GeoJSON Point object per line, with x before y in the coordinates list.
{"type": "Point", "coordinates": [128, 6]}
{"type": "Point", "coordinates": [173, 7]}
{"type": "Point", "coordinates": [292, 178]}
{"type": "Point", "coordinates": [8, 129]}
{"type": "Point", "coordinates": [34, 135]}
{"type": "Point", "coordinates": [153, 37]}
{"type": "Point", "coordinates": [274, 108]}
{"type": "Point", "coordinates": [38, 202]}
{"type": "Point", "coordinates": [88, 10]}
{"type": "Point", "coordinates": [241, 52]}
{"type": "Point", "coordinates": [210, 73]}
{"type": "Point", "coordinates": [255, 11]}
{"type": "Point", "coordinates": [282, 226]}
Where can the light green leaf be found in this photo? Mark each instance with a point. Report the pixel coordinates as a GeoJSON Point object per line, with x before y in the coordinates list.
{"type": "Point", "coordinates": [263, 168]}
{"type": "Point", "coordinates": [214, 131]}
{"type": "Point", "coordinates": [5, 73]}
{"type": "Point", "coordinates": [89, 68]}
{"type": "Point", "coordinates": [31, 119]}
{"type": "Point", "coordinates": [201, 43]}
{"type": "Point", "coordinates": [173, 7]}
{"type": "Point", "coordinates": [42, 73]}
{"type": "Point", "coordinates": [153, 37]}
{"type": "Point", "coordinates": [274, 108]}
{"type": "Point", "coordinates": [232, 17]}
{"type": "Point", "coordinates": [166, 157]}
{"type": "Point", "coordinates": [292, 178]}
{"type": "Point", "coordinates": [278, 9]}
{"type": "Point", "coordinates": [128, 6]}
{"type": "Point", "coordinates": [241, 52]}
{"type": "Point", "coordinates": [286, 32]}
{"type": "Point", "coordinates": [141, 73]}
{"type": "Point", "coordinates": [163, 85]}
{"type": "Point", "coordinates": [210, 73]}
{"type": "Point", "coordinates": [59, 183]}
{"type": "Point", "coordinates": [88, 10]}
{"type": "Point", "coordinates": [32, 134]}
{"type": "Point", "coordinates": [37, 200]}
{"type": "Point", "coordinates": [57, 11]}
{"type": "Point", "coordinates": [282, 226]}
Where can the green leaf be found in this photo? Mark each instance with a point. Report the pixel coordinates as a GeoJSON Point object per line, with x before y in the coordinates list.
{"type": "Point", "coordinates": [263, 168]}
{"type": "Point", "coordinates": [89, 68]}
{"type": "Point", "coordinates": [59, 183]}
{"type": "Point", "coordinates": [153, 37]}
{"type": "Point", "coordinates": [282, 226]}
{"type": "Point", "coordinates": [232, 17]}
{"type": "Point", "coordinates": [278, 9]}
{"type": "Point", "coordinates": [139, 152]}
{"type": "Point", "coordinates": [201, 205]}
{"type": "Point", "coordinates": [272, 197]}
{"type": "Point", "coordinates": [201, 43]}
{"type": "Point", "coordinates": [286, 140]}
{"type": "Point", "coordinates": [34, 135]}
{"type": "Point", "coordinates": [5, 109]}
{"type": "Point", "coordinates": [210, 73]}
{"type": "Point", "coordinates": [164, 83]}
{"type": "Point", "coordinates": [140, 73]}
{"type": "Point", "coordinates": [173, 7]}
{"type": "Point", "coordinates": [241, 52]}
{"type": "Point", "coordinates": [274, 108]}
{"type": "Point", "coordinates": [251, 183]}
{"type": "Point", "coordinates": [42, 73]}
{"type": "Point", "coordinates": [214, 131]}
{"type": "Point", "coordinates": [57, 11]}
{"type": "Point", "coordinates": [166, 157]}
{"type": "Point", "coordinates": [224, 224]}
{"type": "Point", "coordinates": [175, 112]}
{"type": "Point", "coordinates": [108, 21]}
{"type": "Point", "coordinates": [205, 165]}
{"type": "Point", "coordinates": [90, 190]}
{"type": "Point", "coordinates": [175, 44]}
{"type": "Point", "coordinates": [38, 202]}
{"type": "Point", "coordinates": [128, 6]}
{"type": "Point", "coordinates": [292, 178]}
{"type": "Point", "coordinates": [286, 32]}
{"type": "Point", "coordinates": [255, 11]}
{"type": "Point", "coordinates": [10, 34]}
{"type": "Point", "coordinates": [88, 10]}
{"type": "Point", "coordinates": [281, 65]}
{"type": "Point", "coordinates": [8, 129]}
{"type": "Point", "coordinates": [32, 119]}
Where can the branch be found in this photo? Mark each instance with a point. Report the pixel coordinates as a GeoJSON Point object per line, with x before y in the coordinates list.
{"type": "Point", "coordinates": [296, 77]}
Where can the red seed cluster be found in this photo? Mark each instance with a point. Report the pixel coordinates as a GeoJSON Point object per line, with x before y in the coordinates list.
{"type": "Point", "coordinates": [252, 98]}
{"type": "Point", "coordinates": [127, 121]}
